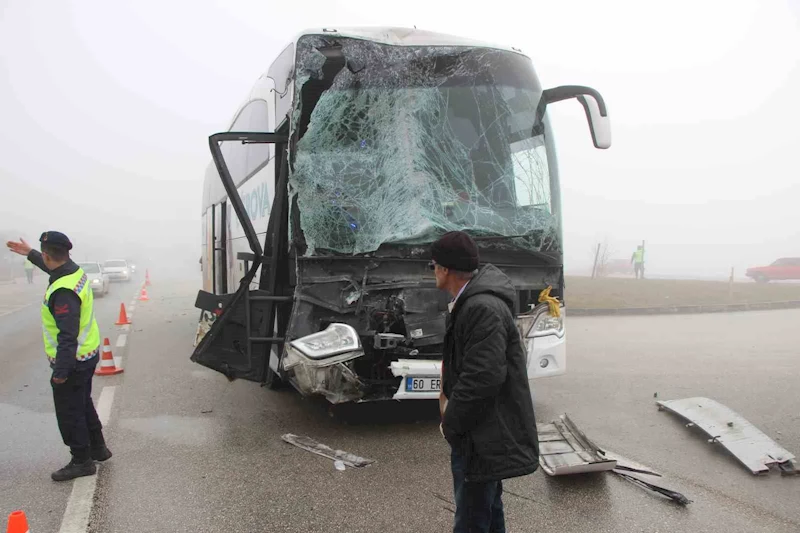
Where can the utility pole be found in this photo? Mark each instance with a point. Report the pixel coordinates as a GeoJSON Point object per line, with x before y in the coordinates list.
{"type": "Point", "coordinates": [644, 262]}
{"type": "Point", "coordinates": [596, 256]}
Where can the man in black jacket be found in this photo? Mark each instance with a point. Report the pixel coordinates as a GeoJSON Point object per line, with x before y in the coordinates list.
{"type": "Point", "coordinates": [488, 417]}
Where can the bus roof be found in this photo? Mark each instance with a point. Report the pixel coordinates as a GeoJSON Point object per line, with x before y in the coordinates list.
{"type": "Point", "coordinates": [404, 37]}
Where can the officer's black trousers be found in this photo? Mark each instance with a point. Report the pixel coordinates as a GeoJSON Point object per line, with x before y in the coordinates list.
{"type": "Point", "coordinates": [77, 420]}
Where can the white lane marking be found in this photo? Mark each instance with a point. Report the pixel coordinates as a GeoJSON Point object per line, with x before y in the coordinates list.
{"type": "Point", "coordinates": [81, 499]}
{"type": "Point", "coordinates": [79, 505]}
{"type": "Point", "coordinates": [13, 309]}
{"type": "Point", "coordinates": [104, 403]}
{"type": "Point", "coordinates": [121, 340]}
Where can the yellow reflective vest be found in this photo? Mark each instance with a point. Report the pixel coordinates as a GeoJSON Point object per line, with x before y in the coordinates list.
{"type": "Point", "coordinates": [89, 333]}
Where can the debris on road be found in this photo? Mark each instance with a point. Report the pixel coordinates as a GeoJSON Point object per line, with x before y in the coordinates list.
{"type": "Point", "coordinates": [339, 465]}
{"type": "Point", "coordinates": [564, 450]}
{"type": "Point", "coordinates": [644, 477]}
{"type": "Point", "coordinates": [747, 443]}
{"type": "Point", "coordinates": [310, 445]}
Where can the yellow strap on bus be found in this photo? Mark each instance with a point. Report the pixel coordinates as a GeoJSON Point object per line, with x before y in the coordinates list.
{"type": "Point", "coordinates": [552, 302]}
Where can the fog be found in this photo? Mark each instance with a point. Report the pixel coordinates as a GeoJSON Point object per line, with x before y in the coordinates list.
{"type": "Point", "coordinates": [105, 110]}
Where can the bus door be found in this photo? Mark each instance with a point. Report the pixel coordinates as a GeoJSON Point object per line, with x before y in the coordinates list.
{"type": "Point", "coordinates": [220, 217]}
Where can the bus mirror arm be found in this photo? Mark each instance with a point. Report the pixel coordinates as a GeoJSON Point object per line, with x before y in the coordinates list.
{"type": "Point", "coordinates": [593, 105]}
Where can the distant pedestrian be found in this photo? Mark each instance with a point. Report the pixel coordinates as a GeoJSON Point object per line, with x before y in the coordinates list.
{"type": "Point", "coordinates": [487, 410]}
{"type": "Point", "coordinates": [72, 345]}
{"type": "Point", "coordinates": [29, 271]}
{"type": "Point", "coordinates": [637, 259]}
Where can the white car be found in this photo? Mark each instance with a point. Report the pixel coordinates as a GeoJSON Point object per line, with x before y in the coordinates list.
{"type": "Point", "coordinates": [117, 270]}
{"type": "Point", "coordinates": [98, 278]}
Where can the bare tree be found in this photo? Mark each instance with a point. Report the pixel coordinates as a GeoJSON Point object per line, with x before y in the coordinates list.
{"type": "Point", "coordinates": [603, 253]}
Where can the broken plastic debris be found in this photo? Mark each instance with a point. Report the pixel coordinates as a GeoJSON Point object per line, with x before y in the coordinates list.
{"type": "Point", "coordinates": [339, 465]}
{"type": "Point", "coordinates": [310, 445]}
{"type": "Point", "coordinates": [564, 449]}
{"type": "Point", "coordinates": [644, 477]}
{"type": "Point", "coordinates": [747, 443]}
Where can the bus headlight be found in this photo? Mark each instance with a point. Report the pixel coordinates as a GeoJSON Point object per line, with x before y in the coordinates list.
{"type": "Point", "coordinates": [336, 339]}
{"type": "Point", "coordinates": [541, 323]}
{"type": "Point", "coordinates": [546, 324]}
{"type": "Point", "coordinates": [335, 344]}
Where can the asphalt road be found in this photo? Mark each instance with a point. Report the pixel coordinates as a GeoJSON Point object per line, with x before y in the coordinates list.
{"type": "Point", "coordinates": [193, 452]}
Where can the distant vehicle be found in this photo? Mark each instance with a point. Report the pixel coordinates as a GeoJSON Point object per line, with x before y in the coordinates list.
{"type": "Point", "coordinates": [99, 280]}
{"type": "Point", "coordinates": [782, 269]}
{"type": "Point", "coordinates": [118, 270]}
{"type": "Point", "coordinates": [132, 264]}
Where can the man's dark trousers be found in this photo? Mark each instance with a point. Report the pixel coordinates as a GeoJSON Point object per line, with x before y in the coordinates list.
{"type": "Point", "coordinates": [479, 506]}
{"type": "Point", "coordinates": [77, 419]}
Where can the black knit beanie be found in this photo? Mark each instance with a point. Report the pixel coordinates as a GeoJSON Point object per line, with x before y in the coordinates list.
{"type": "Point", "coordinates": [456, 250]}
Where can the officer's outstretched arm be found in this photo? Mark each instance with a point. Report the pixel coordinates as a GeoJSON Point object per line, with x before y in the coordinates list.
{"type": "Point", "coordinates": [35, 257]}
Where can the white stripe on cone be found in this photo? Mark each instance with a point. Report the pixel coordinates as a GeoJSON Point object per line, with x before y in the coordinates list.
{"type": "Point", "coordinates": [107, 359]}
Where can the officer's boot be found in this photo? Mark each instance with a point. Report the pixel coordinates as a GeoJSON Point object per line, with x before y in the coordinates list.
{"type": "Point", "coordinates": [81, 465]}
{"type": "Point", "coordinates": [99, 450]}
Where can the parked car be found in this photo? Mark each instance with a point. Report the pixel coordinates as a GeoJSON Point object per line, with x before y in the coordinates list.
{"type": "Point", "coordinates": [117, 269]}
{"type": "Point", "coordinates": [98, 278]}
{"type": "Point", "coordinates": [782, 269]}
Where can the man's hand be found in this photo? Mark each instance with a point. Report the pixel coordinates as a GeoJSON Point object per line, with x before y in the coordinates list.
{"type": "Point", "coordinates": [21, 247]}
{"type": "Point", "coordinates": [59, 381]}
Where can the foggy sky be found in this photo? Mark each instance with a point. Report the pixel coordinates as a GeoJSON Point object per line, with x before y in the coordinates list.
{"type": "Point", "coordinates": [105, 110]}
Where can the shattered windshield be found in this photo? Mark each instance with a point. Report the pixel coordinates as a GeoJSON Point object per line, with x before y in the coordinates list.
{"type": "Point", "coordinates": [401, 144]}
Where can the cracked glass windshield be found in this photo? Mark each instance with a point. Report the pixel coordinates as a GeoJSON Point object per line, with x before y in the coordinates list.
{"type": "Point", "coordinates": [401, 144]}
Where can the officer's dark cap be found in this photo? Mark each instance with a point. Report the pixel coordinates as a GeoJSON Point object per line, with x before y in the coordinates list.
{"type": "Point", "coordinates": [55, 238]}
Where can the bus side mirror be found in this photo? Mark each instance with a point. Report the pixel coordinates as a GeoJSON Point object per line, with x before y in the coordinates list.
{"type": "Point", "coordinates": [599, 125]}
{"type": "Point", "coordinates": [593, 104]}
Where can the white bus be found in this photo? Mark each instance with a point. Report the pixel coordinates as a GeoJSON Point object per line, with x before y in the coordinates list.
{"type": "Point", "coordinates": [353, 152]}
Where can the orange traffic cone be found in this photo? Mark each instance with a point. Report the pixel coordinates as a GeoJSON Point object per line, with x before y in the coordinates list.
{"type": "Point", "coordinates": [123, 316]}
{"type": "Point", "coordinates": [107, 366]}
{"type": "Point", "coordinates": [147, 278]}
{"type": "Point", "coordinates": [17, 523]}
{"type": "Point", "coordinates": [143, 296]}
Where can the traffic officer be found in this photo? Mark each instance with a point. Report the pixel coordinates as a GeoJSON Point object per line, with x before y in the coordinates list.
{"type": "Point", "coordinates": [72, 345]}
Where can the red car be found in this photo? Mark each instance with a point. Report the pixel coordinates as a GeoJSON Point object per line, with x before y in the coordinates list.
{"type": "Point", "coordinates": [784, 268]}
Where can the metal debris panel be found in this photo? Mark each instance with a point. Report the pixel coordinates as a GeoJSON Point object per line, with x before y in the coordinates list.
{"type": "Point", "coordinates": [645, 477]}
{"type": "Point", "coordinates": [564, 449]}
{"type": "Point", "coordinates": [747, 443]}
{"type": "Point", "coordinates": [310, 445]}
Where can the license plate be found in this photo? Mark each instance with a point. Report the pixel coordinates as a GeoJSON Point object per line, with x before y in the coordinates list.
{"type": "Point", "coordinates": [423, 384]}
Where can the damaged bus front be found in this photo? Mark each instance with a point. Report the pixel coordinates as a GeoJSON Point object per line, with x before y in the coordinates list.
{"type": "Point", "coordinates": [384, 140]}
